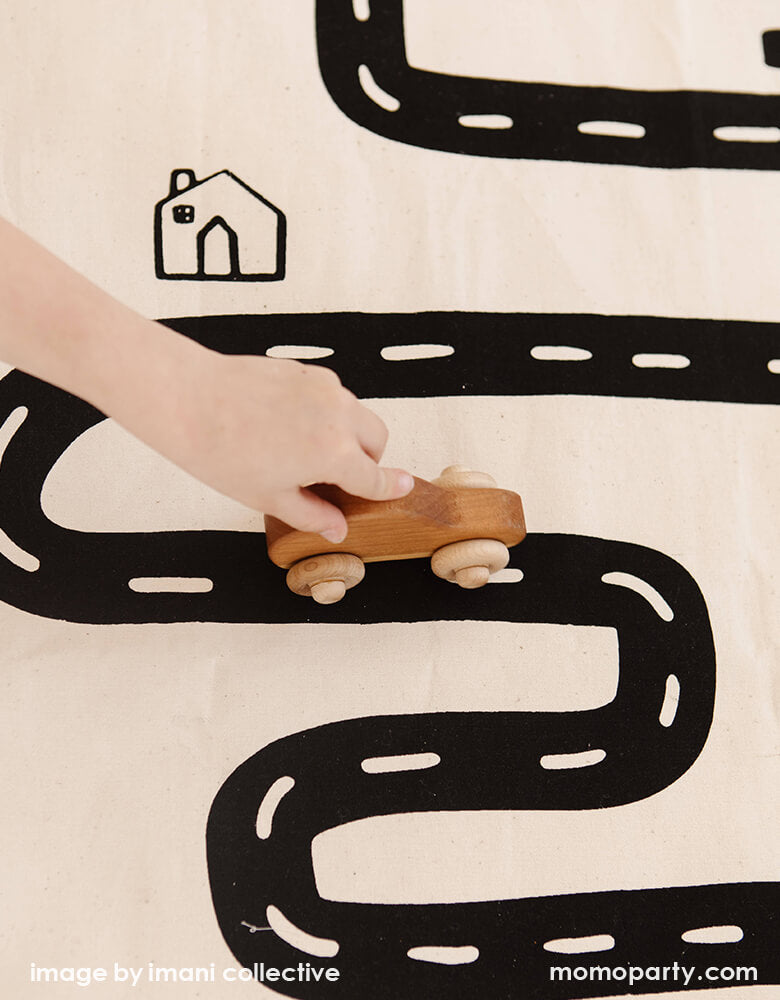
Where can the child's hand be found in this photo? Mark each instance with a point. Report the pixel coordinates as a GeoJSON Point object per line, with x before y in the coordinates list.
{"type": "Point", "coordinates": [260, 430]}
{"type": "Point", "coordinates": [255, 428]}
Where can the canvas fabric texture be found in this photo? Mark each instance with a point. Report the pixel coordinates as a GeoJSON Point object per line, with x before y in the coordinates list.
{"type": "Point", "coordinates": [116, 737]}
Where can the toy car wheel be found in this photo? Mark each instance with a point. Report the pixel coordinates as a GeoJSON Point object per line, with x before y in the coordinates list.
{"type": "Point", "coordinates": [326, 578]}
{"type": "Point", "coordinates": [470, 563]}
{"type": "Point", "coordinates": [461, 475]}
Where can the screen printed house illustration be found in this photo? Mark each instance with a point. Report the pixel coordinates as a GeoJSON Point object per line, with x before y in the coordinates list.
{"type": "Point", "coordinates": [218, 229]}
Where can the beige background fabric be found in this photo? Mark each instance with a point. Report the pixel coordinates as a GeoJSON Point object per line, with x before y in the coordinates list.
{"type": "Point", "coordinates": [116, 738]}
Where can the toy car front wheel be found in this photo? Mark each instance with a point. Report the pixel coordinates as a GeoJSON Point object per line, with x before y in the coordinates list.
{"type": "Point", "coordinates": [327, 577]}
{"type": "Point", "coordinates": [470, 563]}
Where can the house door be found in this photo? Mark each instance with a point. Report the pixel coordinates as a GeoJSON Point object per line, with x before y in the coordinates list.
{"type": "Point", "coordinates": [218, 249]}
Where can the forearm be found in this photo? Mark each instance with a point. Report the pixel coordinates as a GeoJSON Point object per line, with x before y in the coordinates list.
{"type": "Point", "coordinates": [58, 326]}
{"type": "Point", "coordinates": [255, 428]}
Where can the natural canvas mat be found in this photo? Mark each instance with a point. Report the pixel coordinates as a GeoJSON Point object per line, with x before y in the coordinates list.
{"type": "Point", "coordinates": [584, 754]}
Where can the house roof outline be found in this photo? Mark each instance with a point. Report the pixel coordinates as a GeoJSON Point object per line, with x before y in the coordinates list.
{"type": "Point", "coordinates": [184, 195]}
{"type": "Point", "coordinates": [175, 195]}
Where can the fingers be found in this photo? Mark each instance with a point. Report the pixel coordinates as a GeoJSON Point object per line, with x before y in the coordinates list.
{"type": "Point", "coordinates": [306, 511]}
{"type": "Point", "coordinates": [371, 433]}
{"type": "Point", "coordinates": [362, 477]}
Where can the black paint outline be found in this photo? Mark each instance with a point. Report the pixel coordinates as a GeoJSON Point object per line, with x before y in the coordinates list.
{"type": "Point", "coordinates": [235, 273]}
{"type": "Point", "coordinates": [491, 357]}
{"type": "Point", "coordinates": [488, 761]}
{"type": "Point", "coordinates": [679, 125]}
{"type": "Point", "coordinates": [492, 352]}
{"type": "Point", "coordinates": [771, 43]}
{"type": "Point", "coordinates": [562, 582]}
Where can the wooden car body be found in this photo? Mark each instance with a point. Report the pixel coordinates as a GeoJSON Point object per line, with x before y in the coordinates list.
{"type": "Point", "coordinates": [415, 526]}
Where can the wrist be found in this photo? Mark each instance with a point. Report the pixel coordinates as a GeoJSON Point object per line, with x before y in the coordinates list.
{"type": "Point", "coordinates": [141, 374]}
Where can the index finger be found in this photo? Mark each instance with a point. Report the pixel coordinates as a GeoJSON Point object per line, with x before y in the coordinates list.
{"type": "Point", "coordinates": [372, 433]}
{"type": "Point", "coordinates": [362, 477]}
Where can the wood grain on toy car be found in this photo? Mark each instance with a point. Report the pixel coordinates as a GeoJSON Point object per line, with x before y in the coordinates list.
{"type": "Point", "coordinates": [413, 527]}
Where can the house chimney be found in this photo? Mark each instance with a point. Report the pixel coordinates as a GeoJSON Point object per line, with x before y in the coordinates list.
{"type": "Point", "coordinates": [181, 180]}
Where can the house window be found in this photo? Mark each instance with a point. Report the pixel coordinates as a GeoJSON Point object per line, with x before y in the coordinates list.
{"type": "Point", "coordinates": [183, 213]}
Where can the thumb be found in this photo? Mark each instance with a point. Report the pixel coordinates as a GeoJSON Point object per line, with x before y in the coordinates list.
{"type": "Point", "coordinates": [305, 511]}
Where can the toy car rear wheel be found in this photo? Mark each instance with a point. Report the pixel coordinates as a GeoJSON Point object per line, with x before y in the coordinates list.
{"type": "Point", "coordinates": [462, 476]}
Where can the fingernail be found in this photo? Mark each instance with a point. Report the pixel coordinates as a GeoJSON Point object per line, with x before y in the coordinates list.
{"type": "Point", "coordinates": [334, 535]}
{"type": "Point", "coordinates": [405, 482]}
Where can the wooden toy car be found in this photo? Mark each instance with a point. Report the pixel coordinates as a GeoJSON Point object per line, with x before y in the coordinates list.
{"type": "Point", "coordinates": [461, 520]}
